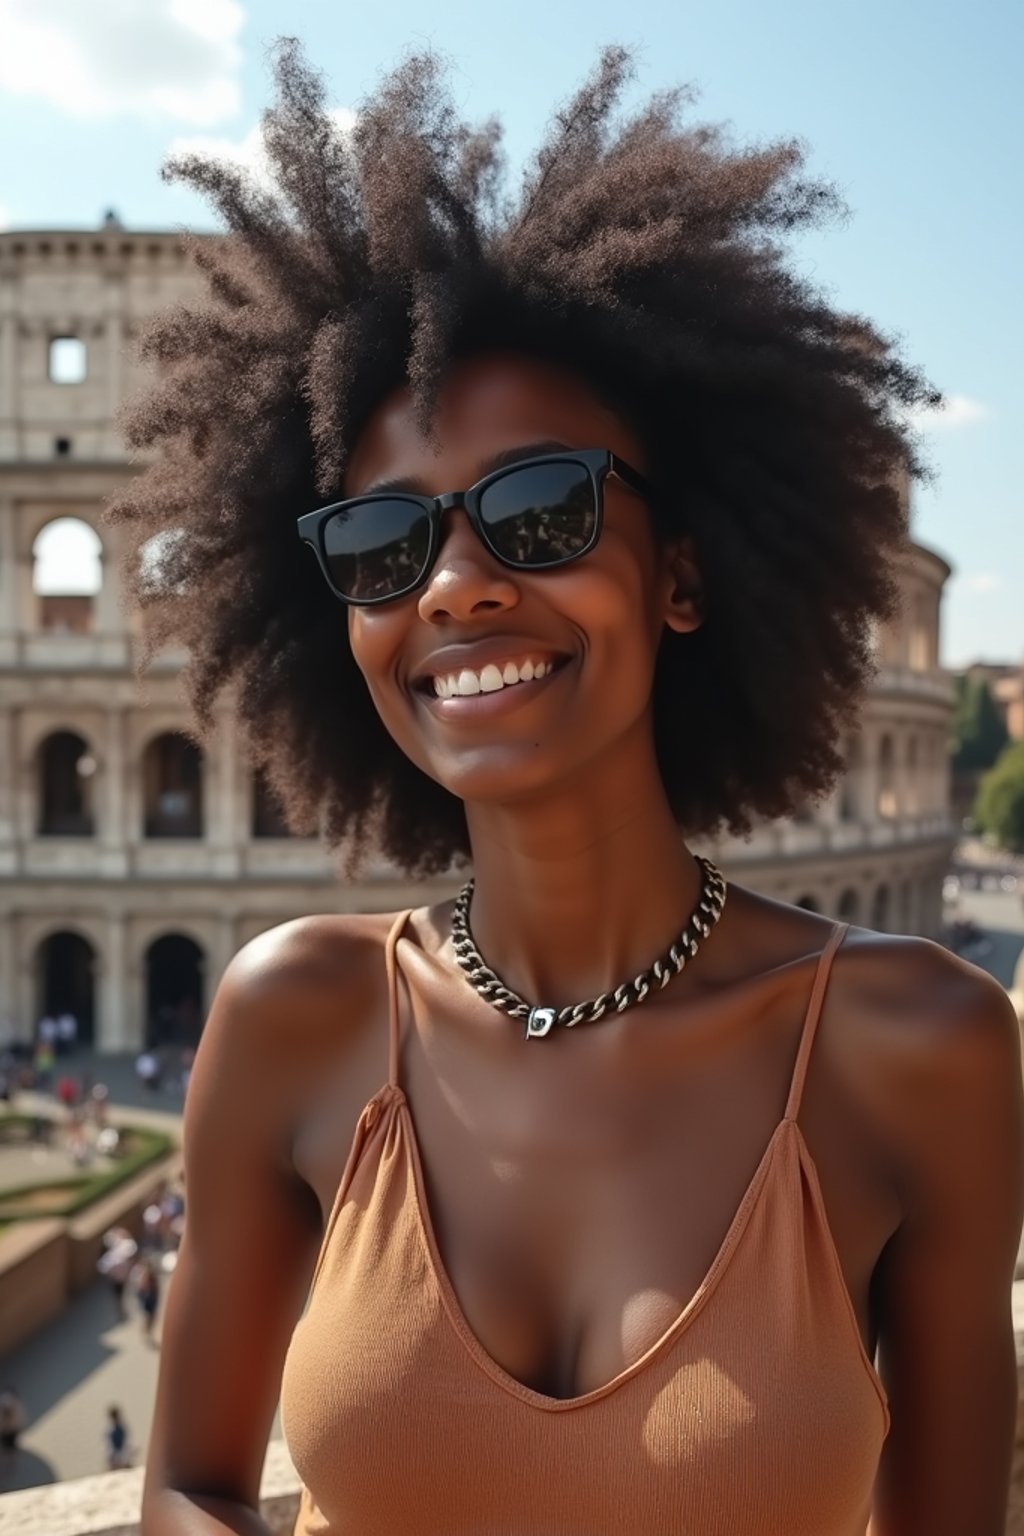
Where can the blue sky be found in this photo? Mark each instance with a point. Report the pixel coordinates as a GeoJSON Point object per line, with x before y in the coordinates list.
{"type": "Point", "coordinates": [913, 107]}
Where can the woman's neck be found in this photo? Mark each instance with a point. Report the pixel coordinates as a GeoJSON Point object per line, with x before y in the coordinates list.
{"type": "Point", "coordinates": [576, 895]}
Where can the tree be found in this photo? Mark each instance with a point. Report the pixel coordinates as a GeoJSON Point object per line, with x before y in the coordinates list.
{"type": "Point", "coordinates": [979, 731]}
{"type": "Point", "coordinates": [1000, 805]}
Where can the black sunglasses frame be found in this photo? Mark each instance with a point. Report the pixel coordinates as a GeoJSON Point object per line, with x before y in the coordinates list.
{"type": "Point", "coordinates": [598, 462]}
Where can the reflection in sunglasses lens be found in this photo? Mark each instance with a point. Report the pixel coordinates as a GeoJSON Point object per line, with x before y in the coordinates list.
{"type": "Point", "coordinates": [377, 548]}
{"type": "Point", "coordinates": [540, 514]}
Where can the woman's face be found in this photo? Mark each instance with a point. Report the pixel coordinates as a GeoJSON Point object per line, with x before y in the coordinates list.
{"type": "Point", "coordinates": [595, 625]}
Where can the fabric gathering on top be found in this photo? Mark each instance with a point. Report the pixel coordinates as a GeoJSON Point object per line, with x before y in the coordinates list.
{"type": "Point", "coordinates": [757, 1413]}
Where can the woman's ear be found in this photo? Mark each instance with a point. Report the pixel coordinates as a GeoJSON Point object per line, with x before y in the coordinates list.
{"type": "Point", "coordinates": [684, 607]}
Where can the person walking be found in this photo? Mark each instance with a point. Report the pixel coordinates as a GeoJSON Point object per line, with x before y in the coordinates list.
{"type": "Point", "coordinates": [116, 1262]}
{"type": "Point", "coordinates": [67, 1033]}
{"type": "Point", "coordinates": [146, 1286]}
{"type": "Point", "coordinates": [120, 1453]}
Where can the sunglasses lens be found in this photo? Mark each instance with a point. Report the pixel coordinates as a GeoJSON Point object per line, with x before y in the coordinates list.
{"type": "Point", "coordinates": [377, 549]}
{"type": "Point", "coordinates": [540, 514]}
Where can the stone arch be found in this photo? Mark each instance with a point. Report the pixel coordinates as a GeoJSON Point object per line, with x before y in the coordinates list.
{"type": "Point", "coordinates": [887, 798]}
{"type": "Point", "coordinates": [848, 910]}
{"type": "Point", "coordinates": [65, 770]}
{"type": "Point", "coordinates": [66, 971]}
{"type": "Point", "coordinates": [881, 908]}
{"type": "Point", "coordinates": [67, 575]}
{"type": "Point", "coordinates": [172, 786]}
{"type": "Point", "coordinates": [912, 783]}
{"type": "Point", "coordinates": [175, 989]}
{"type": "Point", "coordinates": [267, 819]}
{"type": "Point", "coordinates": [849, 789]}
{"type": "Point", "coordinates": [905, 914]}
{"type": "Point", "coordinates": [922, 631]}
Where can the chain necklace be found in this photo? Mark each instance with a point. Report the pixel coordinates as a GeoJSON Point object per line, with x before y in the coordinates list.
{"type": "Point", "coordinates": [540, 1021]}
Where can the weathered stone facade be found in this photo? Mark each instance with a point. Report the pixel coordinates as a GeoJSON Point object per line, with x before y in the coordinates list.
{"type": "Point", "coordinates": [132, 866]}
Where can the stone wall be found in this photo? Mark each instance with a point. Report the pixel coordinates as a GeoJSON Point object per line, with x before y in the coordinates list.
{"type": "Point", "coordinates": [109, 1505]}
{"type": "Point", "coordinates": [44, 1263]}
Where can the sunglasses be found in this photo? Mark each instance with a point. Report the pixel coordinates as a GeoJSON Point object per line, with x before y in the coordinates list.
{"type": "Point", "coordinates": [535, 515]}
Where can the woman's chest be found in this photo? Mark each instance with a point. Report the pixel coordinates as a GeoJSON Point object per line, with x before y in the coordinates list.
{"type": "Point", "coordinates": [575, 1225]}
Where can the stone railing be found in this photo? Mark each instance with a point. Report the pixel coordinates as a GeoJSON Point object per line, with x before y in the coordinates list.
{"type": "Point", "coordinates": [109, 1505]}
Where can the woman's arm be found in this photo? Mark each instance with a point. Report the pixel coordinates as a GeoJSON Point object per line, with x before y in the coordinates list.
{"type": "Point", "coordinates": [947, 1353]}
{"type": "Point", "coordinates": [251, 1236]}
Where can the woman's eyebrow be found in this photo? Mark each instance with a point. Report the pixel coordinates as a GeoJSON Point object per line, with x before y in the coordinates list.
{"type": "Point", "coordinates": [412, 485]}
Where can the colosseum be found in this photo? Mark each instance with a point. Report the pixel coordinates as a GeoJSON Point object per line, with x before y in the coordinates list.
{"type": "Point", "coordinates": [133, 865]}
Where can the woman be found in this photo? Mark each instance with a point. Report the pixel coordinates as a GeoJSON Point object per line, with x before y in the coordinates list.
{"type": "Point", "coordinates": [610, 501]}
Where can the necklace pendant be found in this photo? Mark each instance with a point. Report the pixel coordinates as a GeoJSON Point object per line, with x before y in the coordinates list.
{"type": "Point", "coordinates": [539, 1022]}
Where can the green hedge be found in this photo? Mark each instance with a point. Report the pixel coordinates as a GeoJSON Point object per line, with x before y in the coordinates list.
{"type": "Point", "coordinates": [147, 1147]}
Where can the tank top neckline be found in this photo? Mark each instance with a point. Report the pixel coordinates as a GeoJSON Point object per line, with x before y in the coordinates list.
{"type": "Point", "coordinates": [390, 1099]}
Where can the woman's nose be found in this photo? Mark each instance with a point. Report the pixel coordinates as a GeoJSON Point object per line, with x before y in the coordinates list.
{"type": "Point", "coordinates": [466, 579]}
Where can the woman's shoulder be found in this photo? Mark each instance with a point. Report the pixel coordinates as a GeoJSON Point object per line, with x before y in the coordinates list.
{"type": "Point", "coordinates": [895, 976]}
{"type": "Point", "coordinates": [924, 1044]}
{"type": "Point", "coordinates": [304, 954]}
{"type": "Point", "coordinates": [900, 1010]}
{"type": "Point", "coordinates": [294, 1003]}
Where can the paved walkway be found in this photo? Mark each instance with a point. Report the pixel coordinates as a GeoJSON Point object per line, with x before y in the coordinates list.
{"type": "Point", "coordinates": [68, 1375]}
{"type": "Point", "coordinates": [70, 1372]}
{"type": "Point", "coordinates": [123, 1086]}
{"type": "Point", "coordinates": [23, 1163]}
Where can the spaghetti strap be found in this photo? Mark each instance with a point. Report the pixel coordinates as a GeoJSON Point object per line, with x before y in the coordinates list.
{"type": "Point", "coordinates": [803, 1054]}
{"type": "Point", "coordinates": [391, 965]}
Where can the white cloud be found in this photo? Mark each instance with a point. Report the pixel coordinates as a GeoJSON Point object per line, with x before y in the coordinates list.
{"type": "Point", "coordinates": [247, 152]}
{"type": "Point", "coordinates": [136, 58]}
{"type": "Point", "coordinates": [958, 411]}
{"type": "Point", "coordinates": [982, 581]}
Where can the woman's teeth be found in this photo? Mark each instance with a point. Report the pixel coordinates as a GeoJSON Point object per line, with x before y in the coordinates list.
{"type": "Point", "coordinates": [462, 685]}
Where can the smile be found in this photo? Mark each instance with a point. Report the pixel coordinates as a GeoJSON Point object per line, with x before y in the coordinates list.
{"type": "Point", "coordinates": [489, 679]}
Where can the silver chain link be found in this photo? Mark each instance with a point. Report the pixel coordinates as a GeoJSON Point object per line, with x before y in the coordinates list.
{"type": "Point", "coordinates": [490, 987]}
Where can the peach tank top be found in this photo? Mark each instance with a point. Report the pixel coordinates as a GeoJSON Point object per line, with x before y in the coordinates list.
{"type": "Point", "coordinates": [757, 1413]}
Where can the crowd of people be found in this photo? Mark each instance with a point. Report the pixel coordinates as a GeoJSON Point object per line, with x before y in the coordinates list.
{"type": "Point", "coordinates": [134, 1268]}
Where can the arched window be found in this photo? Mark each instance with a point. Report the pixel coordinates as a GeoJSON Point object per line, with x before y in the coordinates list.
{"type": "Point", "coordinates": [67, 362]}
{"type": "Point", "coordinates": [809, 904]}
{"type": "Point", "coordinates": [921, 636]}
{"type": "Point", "coordinates": [904, 915]}
{"type": "Point", "coordinates": [267, 812]}
{"type": "Point", "coordinates": [66, 982]}
{"type": "Point", "coordinates": [67, 573]}
{"type": "Point", "coordinates": [880, 908]}
{"type": "Point", "coordinates": [154, 560]}
{"type": "Point", "coordinates": [913, 797]}
{"type": "Point", "coordinates": [172, 775]}
{"type": "Point", "coordinates": [849, 793]}
{"type": "Point", "coordinates": [66, 768]}
{"type": "Point", "coordinates": [887, 802]}
{"type": "Point", "coordinates": [849, 906]}
{"type": "Point", "coordinates": [175, 969]}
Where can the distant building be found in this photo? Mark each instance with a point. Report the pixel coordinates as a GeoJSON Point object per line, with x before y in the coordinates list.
{"type": "Point", "coordinates": [133, 865]}
{"type": "Point", "coordinates": [1006, 683]}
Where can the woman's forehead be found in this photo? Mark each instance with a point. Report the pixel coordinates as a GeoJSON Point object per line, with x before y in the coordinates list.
{"type": "Point", "coordinates": [485, 405]}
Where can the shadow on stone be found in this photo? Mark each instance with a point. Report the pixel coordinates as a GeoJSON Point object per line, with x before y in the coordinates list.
{"type": "Point", "coordinates": [64, 1354]}
{"type": "Point", "coordinates": [24, 1469]}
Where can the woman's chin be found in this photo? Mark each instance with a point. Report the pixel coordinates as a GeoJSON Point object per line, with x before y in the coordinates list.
{"type": "Point", "coordinates": [503, 777]}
